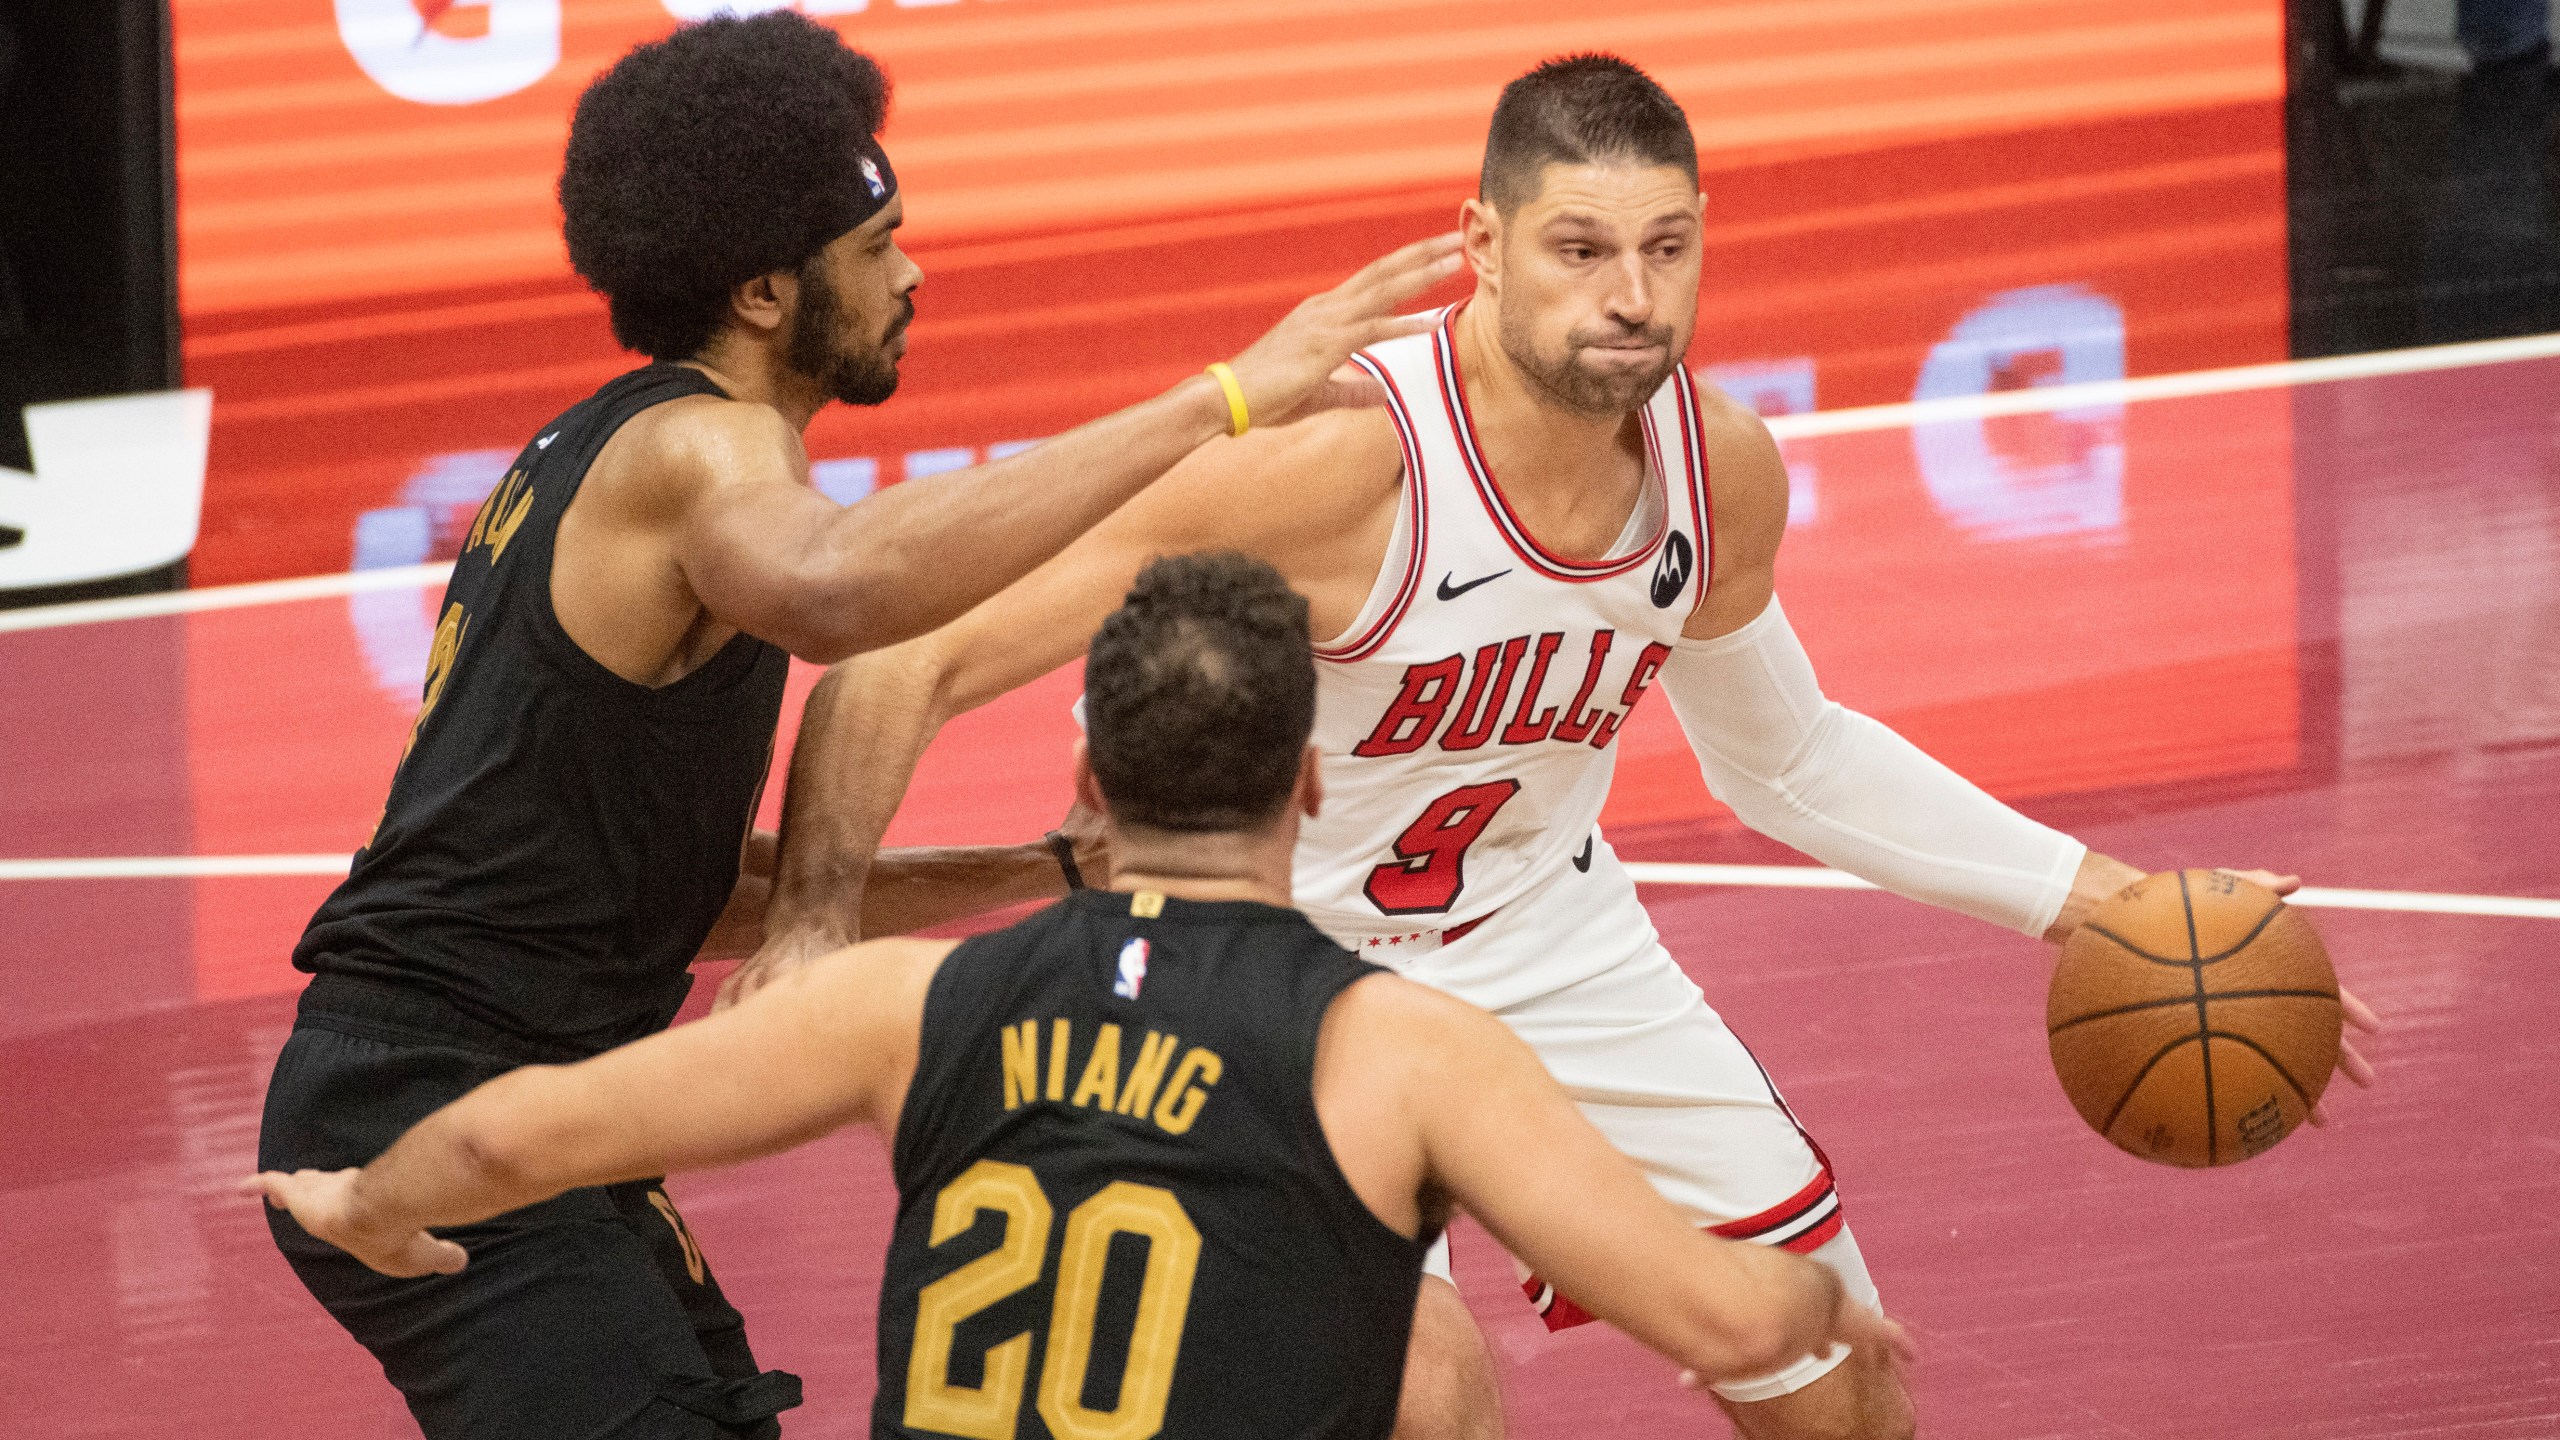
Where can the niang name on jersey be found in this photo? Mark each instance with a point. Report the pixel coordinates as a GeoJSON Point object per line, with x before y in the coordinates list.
{"type": "Point", "coordinates": [1172, 1102]}
{"type": "Point", "coordinates": [1423, 703]}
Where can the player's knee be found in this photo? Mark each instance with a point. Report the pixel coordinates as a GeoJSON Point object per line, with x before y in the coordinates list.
{"type": "Point", "coordinates": [1450, 1392]}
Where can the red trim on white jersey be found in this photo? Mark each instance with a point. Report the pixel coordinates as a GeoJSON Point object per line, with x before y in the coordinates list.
{"type": "Point", "coordinates": [1702, 495]}
{"type": "Point", "coordinates": [1366, 643]}
{"type": "Point", "coordinates": [1453, 398]}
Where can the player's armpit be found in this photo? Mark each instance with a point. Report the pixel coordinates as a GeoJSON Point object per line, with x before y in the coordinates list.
{"type": "Point", "coordinates": [1503, 1139]}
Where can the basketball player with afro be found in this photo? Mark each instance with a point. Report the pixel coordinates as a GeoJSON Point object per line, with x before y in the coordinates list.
{"type": "Point", "coordinates": [1549, 520]}
{"type": "Point", "coordinates": [601, 695]}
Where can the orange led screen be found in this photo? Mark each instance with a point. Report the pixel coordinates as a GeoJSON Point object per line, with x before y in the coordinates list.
{"type": "Point", "coordinates": [1906, 198]}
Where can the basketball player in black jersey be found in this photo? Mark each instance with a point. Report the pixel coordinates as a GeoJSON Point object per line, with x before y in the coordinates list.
{"type": "Point", "coordinates": [602, 690]}
{"type": "Point", "coordinates": [1167, 1158]}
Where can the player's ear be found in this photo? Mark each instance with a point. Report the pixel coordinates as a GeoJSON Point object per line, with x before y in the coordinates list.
{"type": "Point", "coordinates": [1480, 237]}
{"type": "Point", "coordinates": [764, 303]}
{"type": "Point", "coordinates": [1309, 797]}
{"type": "Point", "coordinates": [1088, 789]}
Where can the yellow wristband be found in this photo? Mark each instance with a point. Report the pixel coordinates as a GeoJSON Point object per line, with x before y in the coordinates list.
{"type": "Point", "coordinates": [1239, 419]}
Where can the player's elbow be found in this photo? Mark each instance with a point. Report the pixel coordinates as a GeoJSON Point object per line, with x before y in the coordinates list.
{"type": "Point", "coordinates": [505, 1151]}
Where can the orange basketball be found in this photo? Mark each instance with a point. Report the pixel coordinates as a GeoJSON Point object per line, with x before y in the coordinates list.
{"type": "Point", "coordinates": [2194, 1018]}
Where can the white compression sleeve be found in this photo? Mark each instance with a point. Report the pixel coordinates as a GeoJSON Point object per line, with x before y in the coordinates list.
{"type": "Point", "coordinates": [1852, 794]}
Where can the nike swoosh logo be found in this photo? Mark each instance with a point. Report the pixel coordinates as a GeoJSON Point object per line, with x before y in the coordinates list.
{"type": "Point", "coordinates": [1582, 862]}
{"type": "Point", "coordinates": [545, 442]}
{"type": "Point", "coordinates": [1452, 592]}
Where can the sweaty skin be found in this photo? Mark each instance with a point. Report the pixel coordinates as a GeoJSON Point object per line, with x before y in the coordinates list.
{"type": "Point", "coordinates": [1586, 293]}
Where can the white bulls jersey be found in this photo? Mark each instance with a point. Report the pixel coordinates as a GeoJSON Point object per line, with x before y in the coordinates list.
{"type": "Point", "coordinates": [1468, 718]}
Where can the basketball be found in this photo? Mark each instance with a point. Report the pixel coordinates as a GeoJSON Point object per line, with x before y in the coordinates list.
{"type": "Point", "coordinates": [2194, 1018]}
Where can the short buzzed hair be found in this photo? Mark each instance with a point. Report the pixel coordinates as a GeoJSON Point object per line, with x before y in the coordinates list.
{"type": "Point", "coordinates": [1575, 110]}
{"type": "Point", "coordinates": [1200, 692]}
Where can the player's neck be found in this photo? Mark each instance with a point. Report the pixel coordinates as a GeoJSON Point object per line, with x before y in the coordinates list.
{"type": "Point", "coordinates": [1224, 865]}
{"type": "Point", "coordinates": [755, 374]}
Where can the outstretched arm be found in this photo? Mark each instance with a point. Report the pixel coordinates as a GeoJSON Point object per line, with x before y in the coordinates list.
{"type": "Point", "coordinates": [1270, 494]}
{"type": "Point", "coordinates": [911, 889]}
{"type": "Point", "coordinates": [1422, 1094]}
{"type": "Point", "coordinates": [1837, 785]}
{"type": "Point", "coordinates": [835, 1044]}
{"type": "Point", "coordinates": [768, 555]}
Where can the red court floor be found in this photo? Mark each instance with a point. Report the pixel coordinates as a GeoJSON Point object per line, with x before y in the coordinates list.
{"type": "Point", "coordinates": [2315, 630]}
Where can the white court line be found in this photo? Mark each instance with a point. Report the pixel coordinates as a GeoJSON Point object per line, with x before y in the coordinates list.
{"type": "Point", "coordinates": [1814, 877]}
{"type": "Point", "coordinates": [227, 597]}
{"type": "Point", "coordinates": [172, 867]}
{"type": "Point", "coordinates": [1779, 877]}
{"type": "Point", "coordinates": [2168, 387]}
{"type": "Point", "coordinates": [1785, 427]}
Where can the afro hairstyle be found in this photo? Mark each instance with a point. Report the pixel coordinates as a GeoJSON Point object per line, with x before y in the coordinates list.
{"type": "Point", "coordinates": [705, 159]}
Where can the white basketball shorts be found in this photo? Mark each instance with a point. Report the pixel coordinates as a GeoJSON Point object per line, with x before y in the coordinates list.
{"type": "Point", "coordinates": [1577, 970]}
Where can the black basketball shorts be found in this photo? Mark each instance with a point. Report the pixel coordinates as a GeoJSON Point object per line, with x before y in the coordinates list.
{"type": "Point", "coordinates": [592, 1316]}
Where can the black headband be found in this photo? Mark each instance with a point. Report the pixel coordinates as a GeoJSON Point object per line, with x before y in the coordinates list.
{"type": "Point", "coordinates": [869, 188]}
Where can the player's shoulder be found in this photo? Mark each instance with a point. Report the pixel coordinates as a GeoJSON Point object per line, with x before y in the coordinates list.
{"type": "Point", "coordinates": [1745, 474]}
{"type": "Point", "coordinates": [1728, 425]}
{"type": "Point", "coordinates": [1357, 442]}
{"type": "Point", "coordinates": [671, 452]}
{"type": "Point", "coordinates": [1283, 485]}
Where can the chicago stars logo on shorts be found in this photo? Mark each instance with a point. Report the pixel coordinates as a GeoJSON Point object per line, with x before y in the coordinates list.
{"type": "Point", "coordinates": [1133, 969]}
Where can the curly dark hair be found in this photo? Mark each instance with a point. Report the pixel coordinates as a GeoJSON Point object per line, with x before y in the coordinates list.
{"type": "Point", "coordinates": [705, 159]}
{"type": "Point", "coordinates": [1577, 109]}
{"type": "Point", "coordinates": [1199, 694]}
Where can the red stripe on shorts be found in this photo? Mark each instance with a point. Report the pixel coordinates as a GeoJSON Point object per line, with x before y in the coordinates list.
{"type": "Point", "coordinates": [1560, 1313]}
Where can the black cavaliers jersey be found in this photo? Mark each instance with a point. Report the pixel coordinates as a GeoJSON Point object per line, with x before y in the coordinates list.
{"type": "Point", "coordinates": [558, 839]}
{"type": "Point", "coordinates": [1117, 1213]}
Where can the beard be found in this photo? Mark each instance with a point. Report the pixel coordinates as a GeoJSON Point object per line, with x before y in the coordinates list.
{"type": "Point", "coordinates": [1586, 391]}
{"type": "Point", "coordinates": [866, 376]}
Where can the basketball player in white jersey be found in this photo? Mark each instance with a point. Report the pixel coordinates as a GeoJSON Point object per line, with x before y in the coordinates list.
{"type": "Point", "coordinates": [1548, 522]}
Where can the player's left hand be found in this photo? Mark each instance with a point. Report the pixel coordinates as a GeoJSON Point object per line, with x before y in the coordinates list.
{"type": "Point", "coordinates": [323, 1202]}
{"type": "Point", "coordinates": [2359, 1015]}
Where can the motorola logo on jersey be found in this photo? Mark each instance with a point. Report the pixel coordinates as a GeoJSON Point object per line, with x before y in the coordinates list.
{"type": "Point", "coordinates": [452, 52]}
{"type": "Point", "coordinates": [1461, 700]}
{"type": "Point", "coordinates": [1671, 572]}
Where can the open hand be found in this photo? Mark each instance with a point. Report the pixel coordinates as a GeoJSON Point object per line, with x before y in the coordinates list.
{"type": "Point", "coordinates": [1867, 1331]}
{"type": "Point", "coordinates": [1293, 369]}
{"type": "Point", "coordinates": [323, 1203]}
{"type": "Point", "coordinates": [2359, 1015]}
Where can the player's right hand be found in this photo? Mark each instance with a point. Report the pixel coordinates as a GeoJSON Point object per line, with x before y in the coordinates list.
{"type": "Point", "coordinates": [1861, 1329]}
{"type": "Point", "coordinates": [1875, 1335]}
{"type": "Point", "coordinates": [1290, 371]}
{"type": "Point", "coordinates": [323, 1202]}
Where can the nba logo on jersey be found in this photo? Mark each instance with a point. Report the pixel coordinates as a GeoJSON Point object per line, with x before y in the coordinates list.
{"type": "Point", "coordinates": [1133, 969]}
